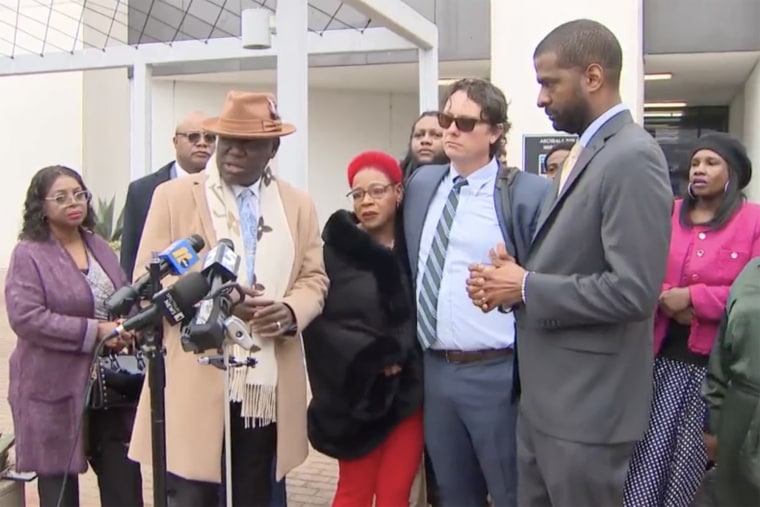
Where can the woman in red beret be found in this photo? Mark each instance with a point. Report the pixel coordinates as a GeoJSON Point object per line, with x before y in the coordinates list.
{"type": "Point", "coordinates": [362, 355]}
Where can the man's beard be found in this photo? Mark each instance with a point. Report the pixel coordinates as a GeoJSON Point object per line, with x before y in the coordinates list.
{"type": "Point", "coordinates": [574, 119]}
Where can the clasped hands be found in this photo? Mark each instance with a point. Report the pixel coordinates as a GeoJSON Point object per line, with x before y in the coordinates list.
{"type": "Point", "coordinates": [496, 284]}
{"type": "Point", "coordinates": [270, 319]}
{"type": "Point", "coordinates": [676, 304]}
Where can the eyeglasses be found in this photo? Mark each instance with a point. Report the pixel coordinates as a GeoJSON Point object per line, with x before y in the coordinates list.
{"type": "Point", "coordinates": [63, 198]}
{"type": "Point", "coordinates": [463, 123]}
{"type": "Point", "coordinates": [195, 137]}
{"type": "Point", "coordinates": [375, 192]}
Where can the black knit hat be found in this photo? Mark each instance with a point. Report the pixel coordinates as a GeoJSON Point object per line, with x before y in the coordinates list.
{"type": "Point", "coordinates": [733, 152]}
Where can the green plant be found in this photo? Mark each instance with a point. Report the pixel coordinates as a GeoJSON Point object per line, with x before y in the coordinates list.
{"type": "Point", "coordinates": [105, 226]}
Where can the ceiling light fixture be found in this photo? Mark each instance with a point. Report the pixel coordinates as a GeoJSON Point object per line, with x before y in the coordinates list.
{"type": "Point", "coordinates": [658, 76]}
{"type": "Point", "coordinates": [663, 105]}
{"type": "Point", "coordinates": [447, 81]}
{"type": "Point", "coordinates": [663, 114]}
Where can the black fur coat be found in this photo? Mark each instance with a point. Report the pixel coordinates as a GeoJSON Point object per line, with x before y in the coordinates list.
{"type": "Point", "coordinates": [368, 323]}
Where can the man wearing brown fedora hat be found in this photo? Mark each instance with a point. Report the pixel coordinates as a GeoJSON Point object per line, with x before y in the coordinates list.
{"type": "Point", "coordinates": [275, 231]}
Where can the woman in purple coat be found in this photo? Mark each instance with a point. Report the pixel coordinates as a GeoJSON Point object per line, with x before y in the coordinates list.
{"type": "Point", "coordinates": [59, 277]}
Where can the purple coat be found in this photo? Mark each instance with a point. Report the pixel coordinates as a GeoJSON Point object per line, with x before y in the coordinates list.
{"type": "Point", "coordinates": [50, 308]}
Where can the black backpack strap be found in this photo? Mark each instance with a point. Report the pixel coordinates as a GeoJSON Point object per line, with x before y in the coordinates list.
{"type": "Point", "coordinates": [505, 182]}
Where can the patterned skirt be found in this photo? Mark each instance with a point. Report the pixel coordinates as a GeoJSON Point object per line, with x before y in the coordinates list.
{"type": "Point", "coordinates": [668, 464]}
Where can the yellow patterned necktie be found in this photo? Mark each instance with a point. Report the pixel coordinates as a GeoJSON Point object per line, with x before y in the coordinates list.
{"type": "Point", "coordinates": [567, 167]}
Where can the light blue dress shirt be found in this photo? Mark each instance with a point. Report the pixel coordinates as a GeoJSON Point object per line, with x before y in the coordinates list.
{"type": "Point", "coordinates": [475, 230]}
{"type": "Point", "coordinates": [599, 123]}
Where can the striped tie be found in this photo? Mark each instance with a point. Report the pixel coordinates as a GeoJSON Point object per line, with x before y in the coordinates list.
{"type": "Point", "coordinates": [427, 305]}
{"type": "Point", "coordinates": [248, 229]}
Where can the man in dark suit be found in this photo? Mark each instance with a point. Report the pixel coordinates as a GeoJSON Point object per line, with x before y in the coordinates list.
{"type": "Point", "coordinates": [193, 148]}
{"type": "Point", "coordinates": [453, 214]}
{"type": "Point", "coordinates": [586, 293]}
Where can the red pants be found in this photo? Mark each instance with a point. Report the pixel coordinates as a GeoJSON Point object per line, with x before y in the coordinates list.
{"type": "Point", "coordinates": [385, 474]}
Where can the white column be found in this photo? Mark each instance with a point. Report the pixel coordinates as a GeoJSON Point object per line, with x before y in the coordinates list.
{"type": "Point", "coordinates": [428, 78]}
{"type": "Point", "coordinates": [291, 45]}
{"type": "Point", "coordinates": [515, 33]}
{"type": "Point", "coordinates": [140, 121]}
{"type": "Point", "coordinates": [751, 131]}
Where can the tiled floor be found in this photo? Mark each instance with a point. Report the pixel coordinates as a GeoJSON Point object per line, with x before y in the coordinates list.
{"type": "Point", "coordinates": [310, 485]}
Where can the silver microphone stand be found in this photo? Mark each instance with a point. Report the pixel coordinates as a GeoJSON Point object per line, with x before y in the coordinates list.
{"type": "Point", "coordinates": [236, 332]}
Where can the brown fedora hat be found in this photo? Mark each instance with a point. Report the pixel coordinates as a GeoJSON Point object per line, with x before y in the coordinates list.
{"type": "Point", "coordinates": [249, 115]}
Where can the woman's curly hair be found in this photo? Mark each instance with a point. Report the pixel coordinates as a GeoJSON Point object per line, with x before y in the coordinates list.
{"type": "Point", "coordinates": [35, 226]}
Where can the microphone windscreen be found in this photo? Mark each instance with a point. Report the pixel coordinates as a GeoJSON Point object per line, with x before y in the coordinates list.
{"type": "Point", "coordinates": [197, 242]}
{"type": "Point", "coordinates": [190, 289]}
{"type": "Point", "coordinates": [228, 242]}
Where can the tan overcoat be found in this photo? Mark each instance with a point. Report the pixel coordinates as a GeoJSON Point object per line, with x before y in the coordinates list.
{"type": "Point", "coordinates": [195, 393]}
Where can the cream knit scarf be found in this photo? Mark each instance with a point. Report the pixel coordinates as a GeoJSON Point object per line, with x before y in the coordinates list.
{"type": "Point", "coordinates": [255, 387]}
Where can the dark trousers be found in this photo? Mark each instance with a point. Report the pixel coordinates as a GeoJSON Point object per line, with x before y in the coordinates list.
{"type": "Point", "coordinates": [253, 451]}
{"type": "Point", "coordinates": [49, 488]}
{"type": "Point", "coordinates": [431, 486]}
{"type": "Point", "coordinates": [279, 491]}
{"type": "Point", "coordinates": [119, 479]}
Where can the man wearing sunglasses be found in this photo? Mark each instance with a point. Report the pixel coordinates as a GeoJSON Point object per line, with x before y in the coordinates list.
{"type": "Point", "coordinates": [453, 215]}
{"type": "Point", "coordinates": [193, 148]}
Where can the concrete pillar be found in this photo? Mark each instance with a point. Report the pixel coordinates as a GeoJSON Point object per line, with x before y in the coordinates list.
{"type": "Point", "coordinates": [428, 79]}
{"type": "Point", "coordinates": [751, 130]}
{"type": "Point", "coordinates": [293, 89]}
{"type": "Point", "coordinates": [140, 155]}
{"type": "Point", "coordinates": [516, 30]}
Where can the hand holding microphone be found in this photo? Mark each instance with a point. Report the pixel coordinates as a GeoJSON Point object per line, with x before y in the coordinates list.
{"type": "Point", "coordinates": [106, 332]}
{"type": "Point", "coordinates": [171, 304]}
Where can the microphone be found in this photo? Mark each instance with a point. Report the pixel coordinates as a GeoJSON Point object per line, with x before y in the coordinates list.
{"type": "Point", "coordinates": [221, 263]}
{"type": "Point", "coordinates": [172, 303]}
{"type": "Point", "coordinates": [175, 260]}
{"type": "Point", "coordinates": [207, 329]}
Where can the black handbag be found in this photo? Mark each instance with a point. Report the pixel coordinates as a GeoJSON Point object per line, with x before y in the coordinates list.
{"type": "Point", "coordinates": [117, 381]}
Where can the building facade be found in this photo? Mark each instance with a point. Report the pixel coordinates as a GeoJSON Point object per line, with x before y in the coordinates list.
{"type": "Point", "coordinates": [684, 73]}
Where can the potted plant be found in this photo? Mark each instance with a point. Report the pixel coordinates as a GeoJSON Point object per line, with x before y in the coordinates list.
{"type": "Point", "coordinates": [105, 225]}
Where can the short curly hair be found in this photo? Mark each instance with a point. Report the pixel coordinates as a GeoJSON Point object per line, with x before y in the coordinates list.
{"type": "Point", "coordinates": [34, 225]}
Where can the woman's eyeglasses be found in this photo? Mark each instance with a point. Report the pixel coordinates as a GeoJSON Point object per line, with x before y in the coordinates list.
{"type": "Point", "coordinates": [375, 192]}
{"type": "Point", "coordinates": [195, 137]}
{"type": "Point", "coordinates": [62, 199]}
{"type": "Point", "coordinates": [463, 123]}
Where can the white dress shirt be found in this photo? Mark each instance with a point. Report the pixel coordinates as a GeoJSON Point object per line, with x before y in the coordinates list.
{"type": "Point", "coordinates": [178, 171]}
{"type": "Point", "coordinates": [475, 230]}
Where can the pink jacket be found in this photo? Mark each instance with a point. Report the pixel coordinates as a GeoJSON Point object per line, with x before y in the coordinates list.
{"type": "Point", "coordinates": [707, 262]}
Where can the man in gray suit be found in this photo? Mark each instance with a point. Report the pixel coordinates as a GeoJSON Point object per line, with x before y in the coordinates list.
{"type": "Point", "coordinates": [453, 214]}
{"type": "Point", "coordinates": [586, 295]}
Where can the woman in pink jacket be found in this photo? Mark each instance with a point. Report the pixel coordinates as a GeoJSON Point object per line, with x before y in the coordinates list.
{"type": "Point", "coordinates": [715, 233]}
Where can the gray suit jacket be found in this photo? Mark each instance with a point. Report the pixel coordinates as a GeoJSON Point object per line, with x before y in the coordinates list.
{"type": "Point", "coordinates": [598, 260]}
{"type": "Point", "coordinates": [526, 196]}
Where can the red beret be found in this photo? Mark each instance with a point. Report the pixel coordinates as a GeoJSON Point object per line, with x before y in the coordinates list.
{"type": "Point", "coordinates": [379, 160]}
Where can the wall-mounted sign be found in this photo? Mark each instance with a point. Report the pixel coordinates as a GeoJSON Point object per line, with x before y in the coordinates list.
{"type": "Point", "coordinates": [537, 146]}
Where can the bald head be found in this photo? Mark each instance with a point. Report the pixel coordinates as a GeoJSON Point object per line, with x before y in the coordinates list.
{"type": "Point", "coordinates": [193, 146]}
{"type": "Point", "coordinates": [193, 121]}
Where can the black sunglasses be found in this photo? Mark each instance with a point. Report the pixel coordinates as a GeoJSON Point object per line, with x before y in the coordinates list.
{"type": "Point", "coordinates": [463, 123]}
{"type": "Point", "coordinates": [195, 137]}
